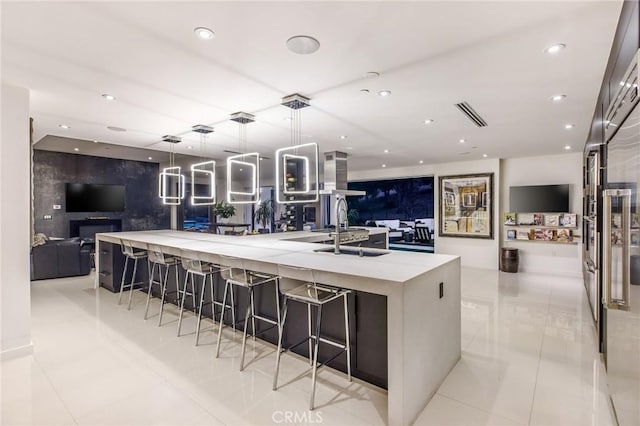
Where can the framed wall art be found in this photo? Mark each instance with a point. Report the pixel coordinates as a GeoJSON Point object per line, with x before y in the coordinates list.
{"type": "Point", "coordinates": [466, 206]}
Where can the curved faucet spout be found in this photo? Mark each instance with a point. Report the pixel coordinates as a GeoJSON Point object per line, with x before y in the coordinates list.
{"type": "Point", "coordinates": [341, 207]}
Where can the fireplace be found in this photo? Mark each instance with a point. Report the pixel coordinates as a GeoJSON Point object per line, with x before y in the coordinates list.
{"type": "Point", "coordinates": [88, 228]}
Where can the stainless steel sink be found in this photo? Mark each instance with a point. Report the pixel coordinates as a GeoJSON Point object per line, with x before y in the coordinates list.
{"type": "Point", "coordinates": [354, 251]}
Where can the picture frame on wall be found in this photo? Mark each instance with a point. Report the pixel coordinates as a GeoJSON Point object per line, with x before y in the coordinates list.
{"type": "Point", "coordinates": [466, 206]}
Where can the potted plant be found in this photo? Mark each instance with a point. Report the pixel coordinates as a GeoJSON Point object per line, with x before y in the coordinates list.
{"type": "Point", "coordinates": [224, 210]}
{"type": "Point", "coordinates": [263, 215]}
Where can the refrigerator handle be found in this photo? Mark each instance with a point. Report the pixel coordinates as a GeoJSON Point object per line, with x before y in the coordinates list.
{"type": "Point", "coordinates": [625, 196]}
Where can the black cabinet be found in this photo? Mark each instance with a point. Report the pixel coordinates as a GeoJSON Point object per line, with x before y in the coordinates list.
{"type": "Point", "coordinates": [111, 266]}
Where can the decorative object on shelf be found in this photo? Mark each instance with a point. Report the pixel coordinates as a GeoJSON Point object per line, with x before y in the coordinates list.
{"type": "Point", "coordinates": [206, 170]}
{"type": "Point", "coordinates": [510, 218]}
{"type": "Point", "coordinates": [511, 234]}
{"type": "Point", "coordinates": [471, 214]}
{"type": "Point", "coordinates": [264, 212]}
{"type": "Point", "coordinates": [224, 210]}
{"type": "Point", "coordinates": [568, 220]}
{"type": "Point", "coordinates": [525, 219]}
{"type": "Point", "coordinates": [564, 236]}
{"type": "Point", "coordinates": [551, 220]}
{"type": "Point", "coordinates": [538, 219]}
{"type": "Point", "coordinates": [544, 234]}
{"type": "Point", "coordinates": [634, 238]}
{"type": "Point", "coordinates": [243, 169]}
{"type": "Point", "coordinates": [523, 235]}
{"type": "Point", "coordinates": [297, 165]}
{"type": "Point", "coordinates": [171, 181]}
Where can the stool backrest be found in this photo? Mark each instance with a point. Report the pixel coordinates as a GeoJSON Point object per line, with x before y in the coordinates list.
{"type": "Point", "coordinates": [155, 254]}
{"type": "Point", "coordinates": [233, 268]}
{"type": "Point", "coordinates": [128, 249]}
{"type": "Point", "coordinates": [190, 261]}
{"type": "Point", "coordinates": [422, 233]}
{"type": "Point", "coordinates": [293, 276]}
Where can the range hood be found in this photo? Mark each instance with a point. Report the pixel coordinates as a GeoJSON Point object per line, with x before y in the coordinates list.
{"type": "Point", "coordinates": [335, 175]}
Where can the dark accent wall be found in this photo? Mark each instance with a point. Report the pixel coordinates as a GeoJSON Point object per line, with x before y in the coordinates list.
{"type": "Point", "coordinates": [51, 170]}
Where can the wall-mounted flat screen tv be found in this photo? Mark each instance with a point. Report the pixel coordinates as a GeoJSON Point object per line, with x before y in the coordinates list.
{"type": "Point", "coordinates": [539, 199]}
{"type": "Point", "coordinates": [84, 197]}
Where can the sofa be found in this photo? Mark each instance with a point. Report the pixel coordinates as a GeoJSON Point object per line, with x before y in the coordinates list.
{"type": "Point", "coordinates": [60, 258]}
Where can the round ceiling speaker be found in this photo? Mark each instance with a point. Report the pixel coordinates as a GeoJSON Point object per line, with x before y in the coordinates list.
{"type": "Point", "coordinates": [303, 45]}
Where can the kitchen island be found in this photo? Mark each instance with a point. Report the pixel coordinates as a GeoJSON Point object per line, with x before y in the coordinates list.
{"type": "Point", "coordinates": [422, 294]}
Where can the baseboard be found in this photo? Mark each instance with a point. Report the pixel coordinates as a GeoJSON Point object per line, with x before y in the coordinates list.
{"type": "Point", "coordinates": [16, 352]}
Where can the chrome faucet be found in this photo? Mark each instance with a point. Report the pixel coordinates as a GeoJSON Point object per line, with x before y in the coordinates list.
{"type": "Point", "coordinates": [341, 207]}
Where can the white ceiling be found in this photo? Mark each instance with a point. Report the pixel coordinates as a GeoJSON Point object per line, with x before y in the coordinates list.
{"type": "Point", "coordinates": [431, 55]}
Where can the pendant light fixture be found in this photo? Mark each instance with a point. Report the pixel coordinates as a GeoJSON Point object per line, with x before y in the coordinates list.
{"type": "Point", "coordinates": [297, 164]}
{"type": "Point", "coordinates": [243, 169]}
{"type": "Point", "coordinates": [205, 170]}
{"type": "Point", "coordinates": [171, 182]}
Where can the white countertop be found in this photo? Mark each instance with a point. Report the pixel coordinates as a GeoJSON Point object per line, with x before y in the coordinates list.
{"type": "Point", "coordinates": [392, 267]}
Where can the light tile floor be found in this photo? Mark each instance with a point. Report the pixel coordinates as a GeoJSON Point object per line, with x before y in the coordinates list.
{"type": "Point", "coordinates": [529, 357]}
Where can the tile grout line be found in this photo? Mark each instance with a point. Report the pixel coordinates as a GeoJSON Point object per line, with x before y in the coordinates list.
{"type": "Point", "coordinates": [491, 413]}
{"type": "Point", "coordinates": [535, 386]}
{"type": "Point", "coordinates": [64, 404]}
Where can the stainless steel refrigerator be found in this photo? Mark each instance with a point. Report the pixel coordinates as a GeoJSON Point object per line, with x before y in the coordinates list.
{"type": "Point", "coordinates": [621, 249]}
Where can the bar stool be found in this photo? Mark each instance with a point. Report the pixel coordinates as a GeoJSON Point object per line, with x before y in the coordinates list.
{"type": "Point", "coordinates": [235, 273]}
{"type": "Point", "coordinates": [194, 266]}
{"type": "Point", "coordinates": [157, 257]}
{"type": "Point", "coordinates": [304, 289]}
{"type": "Point", "coordinates": [134, 254]}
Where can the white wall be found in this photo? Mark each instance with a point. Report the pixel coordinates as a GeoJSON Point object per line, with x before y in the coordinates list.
{"type": "Point", "coordinates": [474, 252]}
{"type": "Point", "coordinates": [550, 258]}
{"type": "Point", "coordinates": [15, 154]}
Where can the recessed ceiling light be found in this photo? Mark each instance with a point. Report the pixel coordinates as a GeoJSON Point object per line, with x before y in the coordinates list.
{"type": "Point", "coordinates": [384, 93]}
{"type": "Point", "coordinates": [303, 45]}
{"type": "Point", "coordinates": [76, 149]}
{"type": "Point", "coordinates": [567, 147]}
{"type": "Point", "coordinates": [108, 97]}
{"type": "Point", "coordinates": [343, 136]}
{"type": "Point", "coordinates": [569, 126]}
{"type": "Point", "coordinates": [372, 74]}
{"type": "Point", "coordinates": [462, 141]}
{"type": "Point", "coordinates": [384, 165]}
{"type": "Point", "coordinates": [485, 155]}
{"type": "Point", "coordinates": [204, 33]}
{"type": "Point", "coordinates": [555, 48]}
{"type": "Point", "coordinates": [364, 91]}
{"type": "Point", "coordinates": [428, 121]}
{"type": "Point", "coordinates": [116, 129]}
{"type": "Point", "coordinates": [63, 126]}
{"type": "Point", "coordinates": [558, 98]}
{"type": "Point", "coordinates": [150, 158]}
{"type": "Point", "coordinates": [189, 147]}
{"type": "Point", "coordinates": [421, 162]}
{"type": "Point", "coordinates": [386, 151]}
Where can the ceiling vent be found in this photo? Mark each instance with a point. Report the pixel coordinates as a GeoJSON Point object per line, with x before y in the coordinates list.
{"type": "Point", "coordinates": [171, 139]}
{"type": "Point", "coordinates": [471, 114]}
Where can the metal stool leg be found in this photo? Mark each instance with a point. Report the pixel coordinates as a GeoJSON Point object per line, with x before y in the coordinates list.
{"type": "Point", "coordinates": [309, 326]}
{"type": "Point", "coordinates": [204, 285]}
{"type": "Point", "coordinates": [221, 324]}
{"type": "Point", "coordinates": [315, 358]}
{"type": "Point", "coordinates": [250, 312]}
{"type": "Point", "coordinates": [213, 304]}
{"type": "Point", "coordinates": [253, 313]}
{"type": "Point", "coordinates": [124, 273]}
{"type": "Point", "coordinates": [164, 291]}
{"type": "Point", "coordinates": [280, 339]}
{"type": "Point", "coordinates": [153, 269]}
{"type": "Point", "coordinates": [133, 280]}
{"type": "Point", "coordinates": [184, 294]}
{"type": "Point", "coordinates": [346, 334]}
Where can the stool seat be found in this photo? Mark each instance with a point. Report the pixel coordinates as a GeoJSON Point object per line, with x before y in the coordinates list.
{"type": "Point", "coordinates": [134, 254]}
{"type": "Point", "coordinates": [313, 293]}
{"type": "Point", "coordinates": [235, 273]}
{"type": "Point", "coordinates": [299, 285]}
{"type": "Point", "coordinates": [158, 258]}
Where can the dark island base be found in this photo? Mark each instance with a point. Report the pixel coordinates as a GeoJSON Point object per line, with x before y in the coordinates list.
{"type": "Point", "coordinates": [367, 322]}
